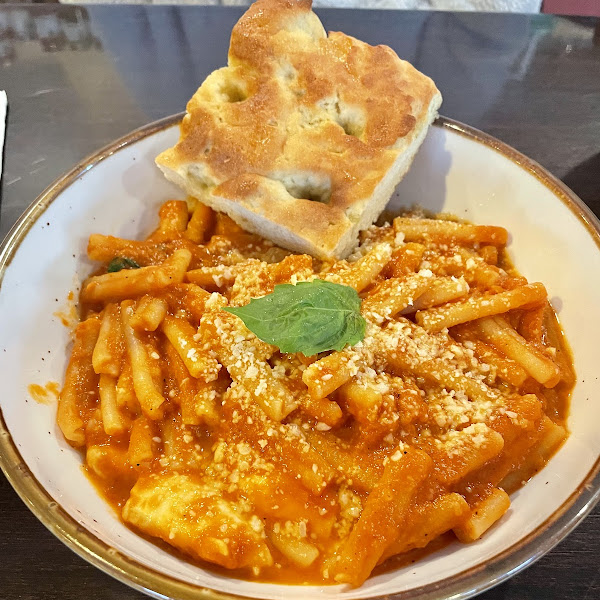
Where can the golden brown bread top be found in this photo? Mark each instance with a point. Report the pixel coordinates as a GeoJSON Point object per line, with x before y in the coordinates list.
{"type": "Point", "coordinates": [325, 115]}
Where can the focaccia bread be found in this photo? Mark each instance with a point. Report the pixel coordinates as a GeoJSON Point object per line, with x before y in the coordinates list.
{"type": "Point", "coordinates": [303, 137]}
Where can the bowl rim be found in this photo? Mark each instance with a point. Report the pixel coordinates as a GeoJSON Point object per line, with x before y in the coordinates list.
{"type": "Point", "coordinates": [461, 586]}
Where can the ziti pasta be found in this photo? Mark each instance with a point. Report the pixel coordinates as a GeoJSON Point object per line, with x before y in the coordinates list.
{"type": "Point", "coordinates": [303, 420]}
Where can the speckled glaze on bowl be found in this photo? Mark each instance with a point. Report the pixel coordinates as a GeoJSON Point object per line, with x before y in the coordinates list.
{"type": "Point", "coordinates": [554, 239]}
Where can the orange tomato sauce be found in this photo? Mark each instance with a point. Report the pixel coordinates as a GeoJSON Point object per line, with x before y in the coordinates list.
{"type": "Point", "coordinates": [395, 457]}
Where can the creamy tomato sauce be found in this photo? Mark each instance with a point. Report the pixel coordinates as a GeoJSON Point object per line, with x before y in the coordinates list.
{"type": "Point", "coordinates": [287, 468]}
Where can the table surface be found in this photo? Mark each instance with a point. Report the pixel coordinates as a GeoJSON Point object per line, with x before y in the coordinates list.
{"type": "Point", "coordinates": [78, 78]}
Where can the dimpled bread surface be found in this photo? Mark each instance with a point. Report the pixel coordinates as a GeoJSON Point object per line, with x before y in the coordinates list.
{"type": "Point", "coordinates": [303, 137]}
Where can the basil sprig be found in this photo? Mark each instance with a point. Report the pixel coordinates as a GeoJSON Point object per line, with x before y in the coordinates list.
{"type": "Point", "coordinates": [309, 317]}
{"type": "Point", "coordinates": [121, 262]}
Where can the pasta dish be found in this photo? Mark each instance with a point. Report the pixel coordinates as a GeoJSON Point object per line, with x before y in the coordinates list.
{"type": "Point", "coordinates": [303, 420]}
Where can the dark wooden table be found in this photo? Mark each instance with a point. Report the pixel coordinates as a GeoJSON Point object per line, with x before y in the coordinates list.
{"type": "Point", "coordinates": [77, 78]}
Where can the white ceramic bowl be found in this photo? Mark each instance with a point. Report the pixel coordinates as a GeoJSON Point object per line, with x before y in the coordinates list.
{"type": "Point", "coordinates": [554, 239]}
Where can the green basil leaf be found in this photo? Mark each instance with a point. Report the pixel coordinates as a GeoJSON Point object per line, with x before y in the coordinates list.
{"type": "Point", "coordinates": [309, 317]}
{"type": "Point", "coordinates": [121, 262]}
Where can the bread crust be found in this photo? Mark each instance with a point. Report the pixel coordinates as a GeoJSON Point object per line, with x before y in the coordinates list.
{"type": "Point", "coordinates": [303, 136]}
